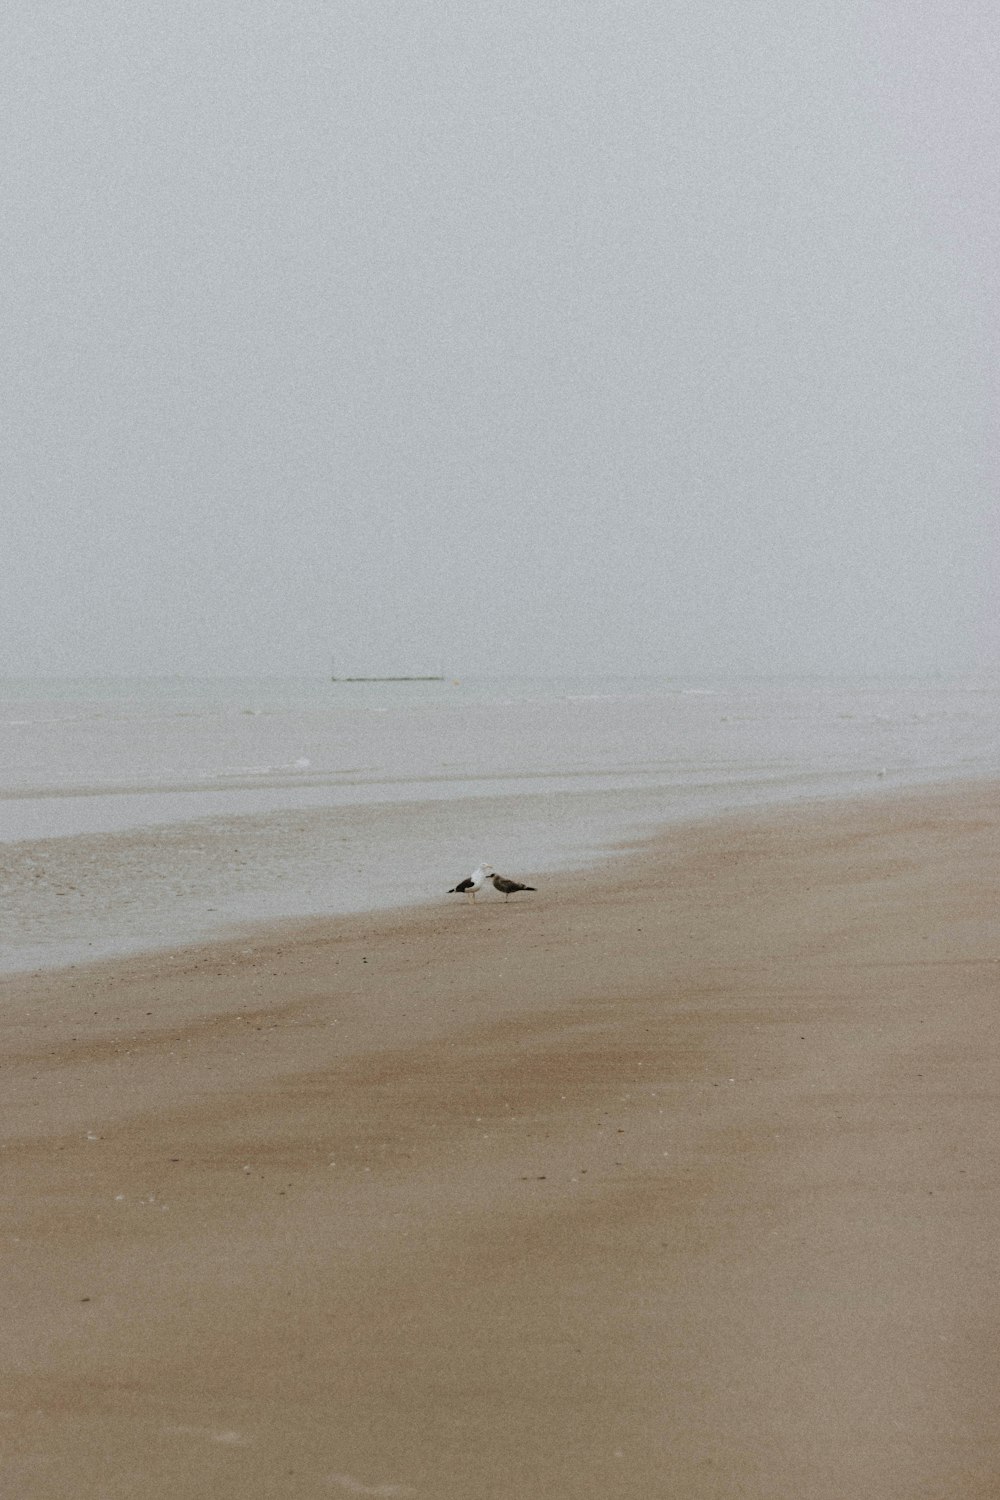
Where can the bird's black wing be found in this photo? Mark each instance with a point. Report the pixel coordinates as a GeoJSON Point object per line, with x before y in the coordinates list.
{"type": "Point", "coordinates": [463, 885]}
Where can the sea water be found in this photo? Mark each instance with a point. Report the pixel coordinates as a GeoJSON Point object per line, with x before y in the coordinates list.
{"type": "Point", "coordinates": [144, 813]}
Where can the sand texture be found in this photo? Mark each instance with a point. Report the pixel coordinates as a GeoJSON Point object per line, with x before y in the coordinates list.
{"type": "Point", "coordinates": [676, 1179]}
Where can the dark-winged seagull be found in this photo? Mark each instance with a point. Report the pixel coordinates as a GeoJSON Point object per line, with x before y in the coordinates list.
{"type": "Point", "coordinates": [510, 886]}
{"type": "Point", "coordinates": [472, 883]}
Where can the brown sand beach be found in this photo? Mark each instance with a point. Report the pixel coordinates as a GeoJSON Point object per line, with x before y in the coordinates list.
{"type": "Point", "coordinates": [678, 1178]}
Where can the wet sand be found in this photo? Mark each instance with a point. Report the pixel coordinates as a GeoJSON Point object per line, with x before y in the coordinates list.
{"type": "Point", "coordinates": [676, 1179]}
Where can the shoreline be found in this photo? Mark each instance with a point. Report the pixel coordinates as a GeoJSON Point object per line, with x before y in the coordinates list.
{"type": "Point", "coordinates": [674, 1178]}
{"type": "Point", "coordinates": [144, 854]}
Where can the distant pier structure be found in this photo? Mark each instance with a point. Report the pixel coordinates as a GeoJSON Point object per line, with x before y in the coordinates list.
{"type": "Point", "coordinates": [336, 676]}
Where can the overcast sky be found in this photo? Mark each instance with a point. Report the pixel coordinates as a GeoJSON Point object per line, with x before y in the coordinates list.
{"type": "Point", "coordinates": [510, 335]}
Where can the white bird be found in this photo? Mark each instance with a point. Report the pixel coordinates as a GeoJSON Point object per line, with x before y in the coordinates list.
{"type": "Point", "coordinates": [472, 883]}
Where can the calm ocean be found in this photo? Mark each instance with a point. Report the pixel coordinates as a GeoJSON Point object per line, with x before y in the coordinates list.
{"type": "Point", "coordinates": [143, 813]}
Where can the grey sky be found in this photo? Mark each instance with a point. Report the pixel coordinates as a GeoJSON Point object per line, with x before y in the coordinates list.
{"type": "Point", "coordinates": [517, 336]}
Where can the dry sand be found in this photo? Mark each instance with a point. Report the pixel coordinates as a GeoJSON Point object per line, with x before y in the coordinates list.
{"type": "Point", "coordinates": [677, 1179]}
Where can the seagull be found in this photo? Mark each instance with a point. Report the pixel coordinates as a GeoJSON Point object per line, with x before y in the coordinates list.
{"type": "Point", "coordinates": [472, 883]}
{"type": "Point", "coordinates": [510, 886]}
